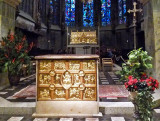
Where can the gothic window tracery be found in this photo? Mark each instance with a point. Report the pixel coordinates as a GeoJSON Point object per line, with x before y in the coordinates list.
{"type": "Point", "coordinates": [106, 12]}
{"type": "Point", "coordinates": [70, 12]}
{"type": "Point", "coordinates": [55, 8]}
{"type": "Point", "coordinates": [122, 11]}
{"type": "Point", "coordinates": [88, 14]}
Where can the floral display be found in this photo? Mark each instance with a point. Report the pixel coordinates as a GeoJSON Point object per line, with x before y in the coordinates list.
{"type": "Point", "coordinates": [15, 50]}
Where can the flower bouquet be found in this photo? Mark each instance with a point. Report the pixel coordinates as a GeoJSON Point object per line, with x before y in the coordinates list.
{"type": "Point", "coordinates": [15, 50]}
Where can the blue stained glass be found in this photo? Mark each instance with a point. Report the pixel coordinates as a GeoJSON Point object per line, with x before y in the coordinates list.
{"type": "Point", "coordinates": [54, 6]}
{"type": "Point", "coordinates": [88, 14]}
{"type": "Point", "coordinates": [122, 11]}
{"type": "Point", "coordinates": [70, 12]}
{"type": "Point", "coordinates": [106, 12]}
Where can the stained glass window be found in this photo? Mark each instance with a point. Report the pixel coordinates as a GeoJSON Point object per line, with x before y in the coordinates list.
{"type": "Point", "coordinates": [88, 15]}
{"type": "Point", "coordinates": [70, 12]}
{"type": "Point", "coordinates": [122, 11]}
{"type": "Point", "coordinates": [106, 12]}
{"type": "Point", "coordinates": [55, 8]}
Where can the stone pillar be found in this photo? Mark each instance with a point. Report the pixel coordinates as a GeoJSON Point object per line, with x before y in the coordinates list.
{"type": "Point", "coordinates": [151, 11]}
{"type": "Point", "coordinates": [7, 16]}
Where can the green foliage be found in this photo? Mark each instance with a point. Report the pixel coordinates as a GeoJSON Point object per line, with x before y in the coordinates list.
{"type": "Point", "coordinates": [139, 62]}
{"type": "Point", "coordinates": [15, 50]}
{"type": "Point", "coordinates": [144, 100]}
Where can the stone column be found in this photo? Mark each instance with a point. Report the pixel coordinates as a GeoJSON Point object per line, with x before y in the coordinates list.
{"type": "Point", "coordinates": [7, 16]}
{"type": "Point", "coordinates": [151, 11]}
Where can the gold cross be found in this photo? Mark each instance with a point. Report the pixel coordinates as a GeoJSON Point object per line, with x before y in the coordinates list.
{"type": "Point", "coordinates": [134, 10]}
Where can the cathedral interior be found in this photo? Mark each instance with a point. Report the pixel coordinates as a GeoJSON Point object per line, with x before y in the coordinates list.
{"type": "Point", "coordinates": [71, 40]}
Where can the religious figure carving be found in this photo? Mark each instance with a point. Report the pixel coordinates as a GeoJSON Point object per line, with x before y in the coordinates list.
{"type": "Point", "coordinates": [89, 93]}
{"type": "Point", "coordinates": [89, 79]}
{"type": "Point", "coordinates": [83, 37]}
{"type": "Point", "coordinates": [60, 93]}
{"type": "Point", "coordinates": [45, 94]}
{"type": "Point", "coordinates": [90, 65]}
{"type": "Point", "coordinates": [45, 66]}
{"type": "Point", "coordinates": [74, 93]}
{"type": "Point", "coordinates": [59, 65]}
{"type": "Point", "coordinates": [74, 65]}
{"type": "Point", "coordinates": [67, 81]}
{"type": "Point", "coordinates": [57, 79]}
{"type": "Point", "coordinates": [76, 79]}
{"type": "Point", "coordinates": [44, 79]}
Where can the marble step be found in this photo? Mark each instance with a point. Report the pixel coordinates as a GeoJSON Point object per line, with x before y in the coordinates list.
{"type": "Point", "coordinates": [156, 96]}
{"type": "Point", "coordinates": [116, 107]}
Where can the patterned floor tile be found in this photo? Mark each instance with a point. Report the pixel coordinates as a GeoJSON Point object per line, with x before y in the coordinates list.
{"type": "Point", "coordinates": [15, 119]}
{"type": "Point", "coordinates": [92, 119]}
{"type": "Point", "coordinates": [66, 119]}
{"type": "Point", "coordinates": [117, 119]}
{"type": "Point", "coordinates": [3, 93]}
{"type": "Point", "coordinates": [40, 119]}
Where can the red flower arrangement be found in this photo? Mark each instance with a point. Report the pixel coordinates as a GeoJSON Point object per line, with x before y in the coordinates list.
{"type": "Point", "coordinates": [145, 82]}
{"type": "Point", "coordinates": [15, 50]}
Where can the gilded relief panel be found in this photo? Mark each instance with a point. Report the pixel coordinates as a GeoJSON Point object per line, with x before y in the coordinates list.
{"type": "Point", "coordinates": [59, 93]}
{"type": "Point", "coordinates": [67, 80]}
{"type": "Point", "coordinates": [74, 93]}
{"type": "Point", "coordinates": [45, 66]}
{"type": "Point", "coordinates": [89, 65]}
{"type": "Point", "coordinates": [90, 93]}
{"type": "Point", "coordinates": [44, 93]}
{"type": "Point", "coordinates": [90, 79]}
{"type": "Point", "coordinates": [83, 38]}
{"type": "Point", "coordinates": [44, 79]}
{"type": "Point", "coordinates": [59, 65]}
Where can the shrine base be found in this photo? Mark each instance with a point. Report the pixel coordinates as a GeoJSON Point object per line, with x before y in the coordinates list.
{"type": "Point", "coordinates": [67, 109]}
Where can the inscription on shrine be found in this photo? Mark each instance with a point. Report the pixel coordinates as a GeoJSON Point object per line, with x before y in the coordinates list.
{"type": "Point", "coordinates": [67, 80]}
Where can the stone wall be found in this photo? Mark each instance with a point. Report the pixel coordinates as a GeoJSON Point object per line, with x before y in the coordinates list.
{"type": "Point", "coordinates": [7, 18]}
{"type": "Point", "coordinates": [152, 33]}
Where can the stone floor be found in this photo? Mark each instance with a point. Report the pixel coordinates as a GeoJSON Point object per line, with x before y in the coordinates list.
{"type": "Point", "coordinates": [109, 105]}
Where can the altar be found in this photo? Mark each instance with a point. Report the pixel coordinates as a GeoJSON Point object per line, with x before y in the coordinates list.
{"type": "Point", "coordinates": [67, 85]}
{"type": "Point", "coordinates": [84, 42]}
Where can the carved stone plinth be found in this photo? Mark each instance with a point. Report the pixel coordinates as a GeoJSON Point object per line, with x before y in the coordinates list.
{"type": "Point", "coordinates": [67, 85]}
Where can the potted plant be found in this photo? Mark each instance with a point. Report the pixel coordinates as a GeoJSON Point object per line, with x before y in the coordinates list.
{"type": "Point", "coordinates": [134, 72]}
{"type": "Point", "coordinates": [15, 50]}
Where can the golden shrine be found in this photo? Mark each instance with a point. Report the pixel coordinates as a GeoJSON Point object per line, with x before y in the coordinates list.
{"type": "Point", "coordinates": [66, 85]}
{"type": "Point", "coordinates": [89, 37]}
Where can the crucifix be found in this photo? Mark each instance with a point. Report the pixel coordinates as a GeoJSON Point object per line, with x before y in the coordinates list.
{"type": "Point", "coordinates": [134, 11]}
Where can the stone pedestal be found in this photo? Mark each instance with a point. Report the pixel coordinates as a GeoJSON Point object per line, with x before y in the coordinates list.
{"type": "Point", "coordinates": [7, 16]}
{"type": "Point", "coordinates": [67, 85]}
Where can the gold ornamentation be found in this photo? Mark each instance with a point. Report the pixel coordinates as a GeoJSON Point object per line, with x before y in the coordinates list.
{"type": "Point", "coordinates": [51, 87]}
{"type": "Point", "coordinates": [52, 73]}
{"type": "Point", "coordinates": [45, 65]}
{"type": "Point", "coordinates": [57, 79]}
{"type": "Point", "coordinates": [83, 37]}
{"type": "Point", "coordinates": [44, 79]}
{"type": "Point", "coordinates": [59, 65]}
{"type": "Point", "coordinates": [74, 65]}
{"type": "Point", "coordinates": [60, 93]}
{"type": "Point", "coordinates": [67, 81]}
{"type": "Point", "coordinates": [76, 79]}
{"type": "Point", "coordinates": [81, 87]}
{"type": "Point", "coordinates": [89, 93]}
{"type": "Point", "coordinates": [90, 65]}
{"type": "Point", "coordinates": [45, 94]}
{"type": "Point", "coordinates": [74, 93]}
{"type": "Point", "coordinates": [81, 73]}
{"type": "Point", "coordinates": [89, 79]}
